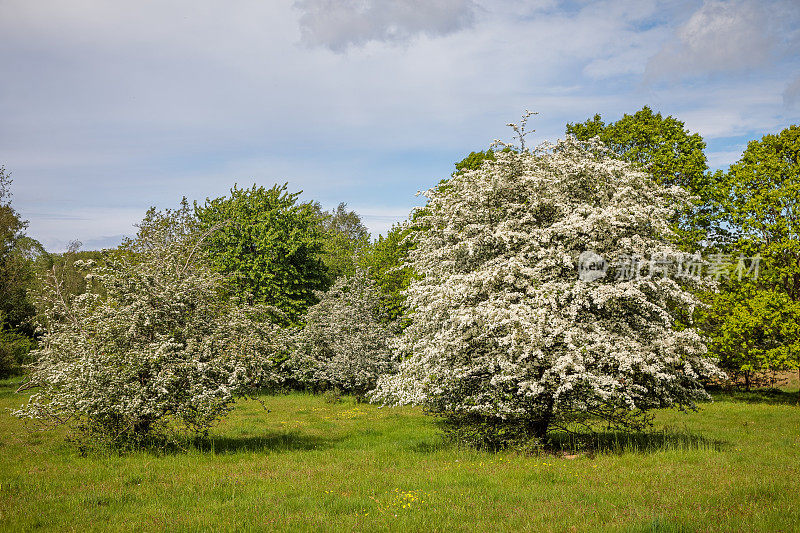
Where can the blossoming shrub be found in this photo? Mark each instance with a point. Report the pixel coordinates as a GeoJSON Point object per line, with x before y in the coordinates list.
{"type": "Point", "coordinates": [506, 335]}
{"type": "Point", "coordinates": [153, 348]}
{"type": "Point", "coordinates": [344, 344]}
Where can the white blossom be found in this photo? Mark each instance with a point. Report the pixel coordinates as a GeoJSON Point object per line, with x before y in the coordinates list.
{"type": "Point", "coordinates": [153, 345]}
{"type": "Point", "coordinates": [344, 343]}
{"type": "Point", "coordinates": [502, 324]}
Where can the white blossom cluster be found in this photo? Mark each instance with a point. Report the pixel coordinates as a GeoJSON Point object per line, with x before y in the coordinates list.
{"type": "Point", "coordinates": [503, 326]}
{"type": "Point", "coordinates": [344, 344]}
{"type": "Point", "coordinates": [153, 345]}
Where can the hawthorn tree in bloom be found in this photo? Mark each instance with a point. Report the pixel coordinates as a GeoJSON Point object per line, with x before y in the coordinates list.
{"type": "Point", "coordinates": [152, 346]}
{"type": "Point", "coordinates": [345, 344]}
{"type": "Point", "coordinates": [503, 328]}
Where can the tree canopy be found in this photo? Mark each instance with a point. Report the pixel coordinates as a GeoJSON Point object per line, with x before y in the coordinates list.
{"type": "Point", "coordinates": [504, 328]}
{"type": "Point", "coordinates": [753, 321]}
{"type": "Point", "coordinates": [345, 238]}
{"type": "Point", "coordinates": [269, 244]}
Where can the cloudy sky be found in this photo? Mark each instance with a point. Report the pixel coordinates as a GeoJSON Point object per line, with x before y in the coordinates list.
{"type": "Point", "coordinates": [109, 107]}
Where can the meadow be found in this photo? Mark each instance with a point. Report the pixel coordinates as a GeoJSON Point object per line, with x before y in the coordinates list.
{"type": "Point", "coordinates": [299, 463]}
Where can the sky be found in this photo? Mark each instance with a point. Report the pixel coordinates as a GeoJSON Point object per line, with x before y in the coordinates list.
{"type": "Point", "coordinates": [109, 107]}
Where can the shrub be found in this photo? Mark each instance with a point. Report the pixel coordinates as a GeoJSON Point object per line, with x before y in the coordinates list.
{"type": "Point", "coordinates": [160, 352]}
{"type": "Point", "coordinates": [14, 352]}
{"type": "Point", "coordinates": [344, 344]}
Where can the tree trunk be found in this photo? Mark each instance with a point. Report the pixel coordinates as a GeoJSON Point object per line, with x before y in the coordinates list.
{"type": "Point", "coordinates": [539, 426]}
{"type": "Point", "coordinates": [747, 380]}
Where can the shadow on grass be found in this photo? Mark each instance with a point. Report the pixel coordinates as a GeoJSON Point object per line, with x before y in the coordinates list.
{"type": "Point", "coordinates": [270, 443]}
{"type": "Point", "coordinates": [620, 442]}
{"type": "Point", "coordinates": [767, 396]}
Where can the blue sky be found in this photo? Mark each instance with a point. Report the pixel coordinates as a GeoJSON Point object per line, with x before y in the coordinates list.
{"type": "Point", "coordinates": [111, 107]}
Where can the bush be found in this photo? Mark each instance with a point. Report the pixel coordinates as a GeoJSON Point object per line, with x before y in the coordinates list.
{"type": "Point", "coordinates": [344, 344]}
{"type": "Point", "coordinates": [161, 352]}
{"type": "Point", "coordinates": [15, 351]}
{"type": "Point", "coordinates": [491, 433]}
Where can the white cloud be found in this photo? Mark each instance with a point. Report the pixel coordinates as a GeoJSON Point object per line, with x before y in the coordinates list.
{"type": "Point", "coordinates": [719, 37]}
{"type": "Point", "coordinates": [339, 24]}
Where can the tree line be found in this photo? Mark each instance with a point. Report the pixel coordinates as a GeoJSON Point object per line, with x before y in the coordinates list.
{"type": "Point", "coordinates": [471, 307]}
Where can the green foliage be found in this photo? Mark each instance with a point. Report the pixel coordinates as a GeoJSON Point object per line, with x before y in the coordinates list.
{"type": "Point", "coordinates": [386, 260]}
{"type": "Point", "coordinates": [16, 274]}
{"type": "Point", "coordinates": [474, 160]}
{"type": "Point", "coordinates": [269, 244]}
{"type": "Point", "coordinates": [18, 254]}
{"type": "Point", "coordinates": [345, 238]}
{"type": "Point", "coordinates": [761, 199]}
{"type": "Point", "coordinates": [754, 330]}
{"type": "Point", "coordinates": [14, 351]}
{"type": "Point", "coordinates": [754, 323]}
{"type": "Point", "coordinates": [659, 144]}
{"type": "Point", "coordinates": [669, 152]}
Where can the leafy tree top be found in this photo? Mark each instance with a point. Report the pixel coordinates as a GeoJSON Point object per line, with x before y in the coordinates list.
{"type": "Point", "coordinates": [661, 145]}
{"type": "Point", "coordinates": [270, 244]}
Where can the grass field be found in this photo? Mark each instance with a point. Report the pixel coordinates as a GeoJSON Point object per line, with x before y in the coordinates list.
{"type": "Point", "coordinates": [310, 465]}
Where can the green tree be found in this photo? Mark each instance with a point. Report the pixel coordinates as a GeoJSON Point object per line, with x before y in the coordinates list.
{"type": "Point", "coordinates": [15, 272]}
{"type": "Point", "coordinates": [662, 145]}
{"type": "Point", "coordinates": [760, 201]}
{"type": "Point", "coordinates": [18, 253]}
{"type": "Point", "coordinates": [474, 160]}
{"type": "Point", "coordinates": [270, 244]}
{"type": "Point", "coordinates": [753, 330]}
{"type": "Point", "coordinates": [386, 261]}
{"type": "Point", "coordinates": [345, 238]}
{"type": "Point", "coordinates": [669, 152]}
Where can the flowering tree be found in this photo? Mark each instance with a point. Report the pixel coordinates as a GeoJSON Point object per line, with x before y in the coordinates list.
{"type": "Point", "coordinates": [504, 328]}
{"type": "Point", "coordinates": [151, 345]}
{"type": "Point", "coordinates": [344, 343]}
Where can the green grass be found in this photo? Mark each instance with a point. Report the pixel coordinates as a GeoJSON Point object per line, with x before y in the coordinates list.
{"type": "Point", "coordinates": [309, 465]}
